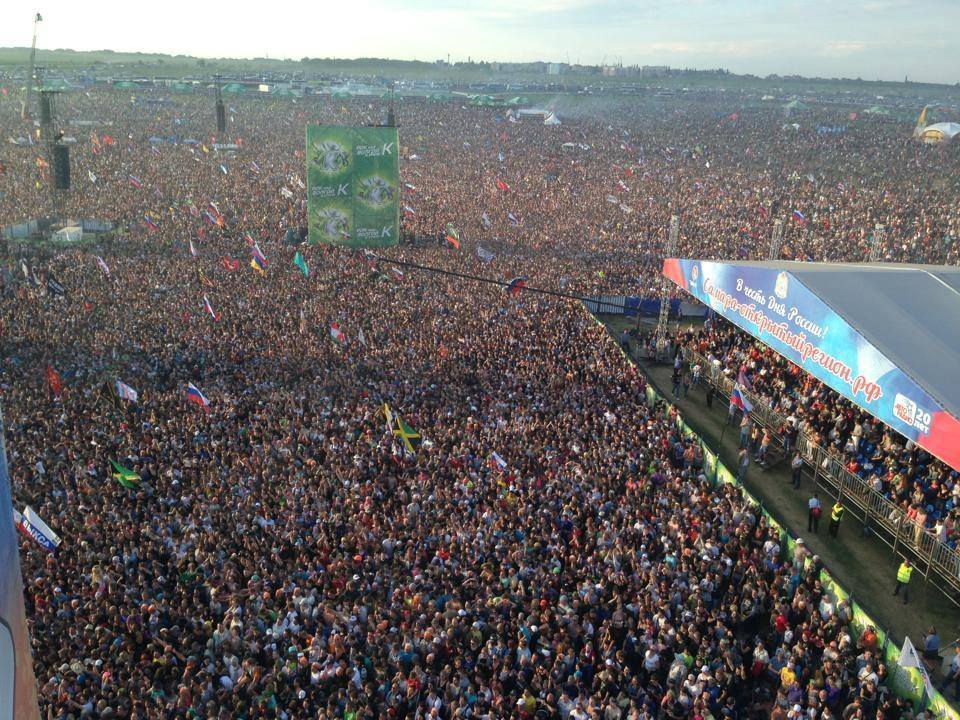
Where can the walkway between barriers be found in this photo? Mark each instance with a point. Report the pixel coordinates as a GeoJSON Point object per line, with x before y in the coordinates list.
{"type": "Point", "coordinates": [864, 565]}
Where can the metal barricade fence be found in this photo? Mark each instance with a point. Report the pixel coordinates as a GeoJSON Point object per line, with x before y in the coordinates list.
{"type": "Point", "coordinates": [884, 518]}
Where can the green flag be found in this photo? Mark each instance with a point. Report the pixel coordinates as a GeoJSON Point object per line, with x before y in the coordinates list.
{"type": "Point", "coordinates": [128, 478]}
{"type": "Point", "coordinates": [301, 263]}
{"type": "Point", "coordinates": [407, 434]}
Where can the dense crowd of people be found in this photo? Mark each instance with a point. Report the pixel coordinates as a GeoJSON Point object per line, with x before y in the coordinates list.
{"type": "Point", "coordinates": [924, 488]}
{"type": "Point", "coordinates": [552, 548]}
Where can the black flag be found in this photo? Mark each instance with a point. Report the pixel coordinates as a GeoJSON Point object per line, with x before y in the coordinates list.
{"type": "Point", "coordinates": [54, 287]}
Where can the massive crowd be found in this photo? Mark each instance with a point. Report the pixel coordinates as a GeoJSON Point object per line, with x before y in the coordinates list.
{"type": "Point", "coordinates": [282, 555]}
{"type": "Point", "coordinates": [925, 489]}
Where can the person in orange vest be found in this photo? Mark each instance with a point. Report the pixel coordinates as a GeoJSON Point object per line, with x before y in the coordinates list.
{"type": "Point", "coordinates": [903, 579]}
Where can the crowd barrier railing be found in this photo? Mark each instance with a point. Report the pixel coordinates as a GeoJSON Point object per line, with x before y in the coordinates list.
{"type": "Point", "coordinates": [906, 538]}
{"type": "Point", "coordinates": [904, 682]}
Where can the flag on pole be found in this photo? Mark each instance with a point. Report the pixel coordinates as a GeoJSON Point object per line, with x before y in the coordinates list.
{"type": "Point", "coordinates": [388, 414]}
{"type": "Point", "coordinates": [31, 525]}
{"type": "Point", "coordinates": [497, 462]}
{"type": "Point", "coordinates": [254, 167]}
{"type": "Point", "coordinates": [229, 263]}
{"type": "Point", "coordinates": [151, 223]}
{"type": "Point", "coordinates": [738, 399]}
{"type": "Point", "coordinates": [501, 185]}
{"type": "Point", "coordinates": [361, 337]}
{"type": "Point", "coordinates": [408, 436]}
{"type": "Point", "coordinates": [485, 220]}
{"type": "Point", "coordinates": [126, 477]}
{"type": "Point", "coordinates": [195, 396]}
{"type": "Point", "coordinates": [396, 273]}
{"type": "Point", "coordinates": [209, 308]}
{"type": "Point", "coordinates": [743, 380]}
{"type": "Point", "coordinates": [135, 181]}
{"type": "Point", "coordinates": [302, 264]}
{"type": "Point", "coordinates": [54, 382]}
{"type": "Point", "coordinates": [93, 178]}
{"type": "Point", "coordinates": [336, 334]}
{"type": "Point", "coordinates": [484, 255]}
{"type": "Point", "coordinates": [910, 659]}
{"type": "Point", "coordinates": [409, 211]}
{"type": "Point", "coordinates": [125, 392]}
{"type": "Point", "coordinates": [103, 266]}
{"type": "Point", "coordinates": [799, 217]}
{"type": "Point", "coordinates": [193, 249]}
{"type": "Point", "coordinates": [513, 219]}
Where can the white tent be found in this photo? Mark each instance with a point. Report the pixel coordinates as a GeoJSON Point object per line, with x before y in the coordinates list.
{"type": "Point", "coordinates": [939, 132]}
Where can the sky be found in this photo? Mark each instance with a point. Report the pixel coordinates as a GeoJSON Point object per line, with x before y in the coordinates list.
{"type": "Point", "coordinates": [871, 39]}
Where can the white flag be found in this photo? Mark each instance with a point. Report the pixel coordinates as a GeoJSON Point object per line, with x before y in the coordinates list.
{"type": "Point", "coordinates": [93, 178]}
{"type": "Point", "coordinates": [362, 338]}
{"type": "Point", "coordinates": [910, 659]}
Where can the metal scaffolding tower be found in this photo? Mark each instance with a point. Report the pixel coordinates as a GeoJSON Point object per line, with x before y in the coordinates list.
{"type": "Point", "coordinates": [876, 242]}
{"type": "Point", "coordinates": [670, 250]}
{"type": "Point", "coordinates": [776, 240]}
{"type": "Point", "coordinates": [32, 79]}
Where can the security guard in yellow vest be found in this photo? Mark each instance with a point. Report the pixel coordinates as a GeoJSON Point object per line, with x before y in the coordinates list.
{"type": "Point", "coordinates": [835, 516]}
{"type": "Point", "coordinates": [903, 579]}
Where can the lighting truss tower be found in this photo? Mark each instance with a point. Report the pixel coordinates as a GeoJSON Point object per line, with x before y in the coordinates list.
{"type": "Point", "coordinates": [669, 251]}
{"type": "Point", "coordinates": [876, 243]}
{"type": "Point", "coordinates": [32, 80]}
{"type": "Point", "coordinates": [776, 240]}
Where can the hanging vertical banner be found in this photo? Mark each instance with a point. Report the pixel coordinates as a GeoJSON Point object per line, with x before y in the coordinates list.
{"type": "Point", "coordinates": [18, 688]}
{"type": "Point", "coordinates": [353, 181]}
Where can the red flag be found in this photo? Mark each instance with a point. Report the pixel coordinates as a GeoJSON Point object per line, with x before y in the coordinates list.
{"type": "Point", "coordinates": [629, 172]}
{"type": "Point", "coordinates": [87, 307]}
{"type": "Point", "coordinates": [229, 264]}
{"type": "Point", "coordinates": [54, 381]}
{"type": "Point", "coordinates": [502, 185]}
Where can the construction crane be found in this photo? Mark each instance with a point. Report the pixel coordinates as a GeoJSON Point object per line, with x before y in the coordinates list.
{"type": "Point", "coordinates": [32, 72]}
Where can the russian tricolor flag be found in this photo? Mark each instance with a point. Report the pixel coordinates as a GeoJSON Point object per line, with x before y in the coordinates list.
{"type": "Point", "coordinates": [738, 399]}
{"type": "Point", "coordinates": [135, 181]}
{"type": "Point", "coordinates": [195, 396]}
{"type": "Point", "coordinates": [799, 217]}
{"type": "Point", "coordinates": [497, 462]}
{"type": "Point", "coordinates": [209, 308]}
{"type": "Point", "coordinates": [31, 525]}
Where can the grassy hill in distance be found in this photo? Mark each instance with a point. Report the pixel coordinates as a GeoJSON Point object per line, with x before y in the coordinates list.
{"type": "Point", "coordinates": [118, 65]}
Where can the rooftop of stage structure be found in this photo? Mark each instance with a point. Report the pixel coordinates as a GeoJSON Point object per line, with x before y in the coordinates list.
{"type": "Point", "coordinates": [909, 313]}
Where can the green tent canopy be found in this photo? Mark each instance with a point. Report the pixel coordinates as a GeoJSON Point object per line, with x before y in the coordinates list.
{"type": "Point", "coordinates": [181, 87]}
{"type": "Point", "coordinates": [342, 95]}
{"type": "Point", "coordinates": [235, 88]}
{"type": "Point", "coordinates": [125, 85]}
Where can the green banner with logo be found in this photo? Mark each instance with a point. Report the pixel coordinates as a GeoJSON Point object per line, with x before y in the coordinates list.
{"type": "Point", "coordinates": [353, 185]}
